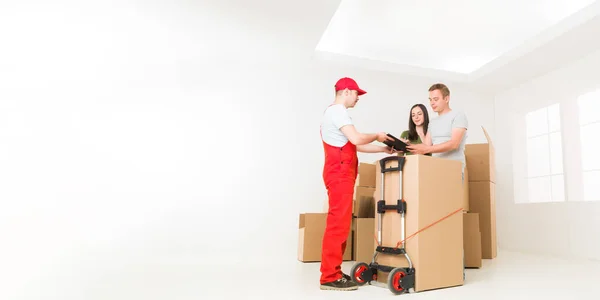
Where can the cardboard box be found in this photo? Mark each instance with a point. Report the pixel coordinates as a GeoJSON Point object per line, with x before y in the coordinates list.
{"type": "Point", "coordinates": [482, 198]}
{"type": "Point", "coordinates": [466, 191]}
{"type": "Point", "coordinates": [364, 239]}
{"type": "Point", "coordinates": [310, 238]}
{"type": "Point", "coordinates": [432, 190]}
{"type": "Point", "coordinates": [472, 240]}
{"type": "Point", "coordinates": [366, 175]}
{"type": "Point", "coordinates": [480, 159]}
{"type": "Point", "coordinates": [364, 202]}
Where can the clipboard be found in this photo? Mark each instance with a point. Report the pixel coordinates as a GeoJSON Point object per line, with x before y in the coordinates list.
{"type": "Point", "coordinates": [396, 143]}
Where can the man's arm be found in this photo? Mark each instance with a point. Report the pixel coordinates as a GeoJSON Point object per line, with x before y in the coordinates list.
{"type": "Point", "coordinates": [358, 138]}
{"type": "Point", "coordinates": [452, 144]}
{"type": "Point", "coordinates": [342, 121]}
{"type": "Point", "coordinates": [373, 149]}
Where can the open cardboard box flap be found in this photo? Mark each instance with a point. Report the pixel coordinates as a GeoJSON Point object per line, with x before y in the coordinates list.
{"type": "Point", "coordinates": [481, 160]}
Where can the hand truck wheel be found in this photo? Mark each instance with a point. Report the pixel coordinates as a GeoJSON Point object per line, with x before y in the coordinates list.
{"type": "Point", "coordinates": [394, 281]}
{"type": "Point", "coordinates": [361, 273]}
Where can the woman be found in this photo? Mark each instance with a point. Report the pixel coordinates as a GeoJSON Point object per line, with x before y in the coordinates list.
{"type": "Point", "coordinates": [418, 123]}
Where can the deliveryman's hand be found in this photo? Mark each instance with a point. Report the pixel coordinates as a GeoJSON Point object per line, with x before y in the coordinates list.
{"type": "Point", "coordinates": [382, 137]}
{"type": "Point", "coordinates": [389, 150]}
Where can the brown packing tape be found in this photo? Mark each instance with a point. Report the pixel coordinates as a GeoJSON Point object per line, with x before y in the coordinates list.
{"type": "Point", "coordinates": [427, 227]}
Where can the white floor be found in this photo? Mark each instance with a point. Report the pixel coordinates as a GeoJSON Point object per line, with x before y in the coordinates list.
{"type": "Point", "coordinates": [510, 276]}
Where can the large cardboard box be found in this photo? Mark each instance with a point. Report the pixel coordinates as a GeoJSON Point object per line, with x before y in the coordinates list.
{"type": "Point", "coordinates": [366, 175]}
{"type": "Point", "coordinates": [364, 239]}
{"type": "Point", "coordinates": [310, 238]}
{"type": "Point", "coordinates": [482, 197]}
{"type": "Point", "coordinates": [432, 189]}
{"type": "Point", "coordinates": [364, 203]}
{"type": "Point", "coordinates": [480, 159]}
{"type": "Point", "coordinates": [466, 191]}
{"type": "Point", "coordinates": [472, 240]}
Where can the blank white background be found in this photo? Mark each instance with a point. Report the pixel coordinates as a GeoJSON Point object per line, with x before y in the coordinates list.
{"type": "Point", "coordinates": [150, 133]}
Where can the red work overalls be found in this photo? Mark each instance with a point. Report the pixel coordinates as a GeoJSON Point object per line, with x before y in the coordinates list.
{"type": "Point", "coordinates": [339, 175]}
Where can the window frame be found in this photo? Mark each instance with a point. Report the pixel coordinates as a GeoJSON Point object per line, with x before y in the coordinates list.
{"type": "Point", "coordinates": [550, 174]}
{"type": "Point", "coordinates": [582, 125]}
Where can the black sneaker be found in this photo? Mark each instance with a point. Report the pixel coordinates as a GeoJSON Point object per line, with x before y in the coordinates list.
{"type": "Point", "coordinates": [341, 284]}
{"type": "Point", "coordinates": [346, 276]}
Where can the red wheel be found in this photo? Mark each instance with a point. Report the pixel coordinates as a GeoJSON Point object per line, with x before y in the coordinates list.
{"type": "Point", "coordinates": [395, 281]}
{"type": "Point", "coordinates": [361, 273]}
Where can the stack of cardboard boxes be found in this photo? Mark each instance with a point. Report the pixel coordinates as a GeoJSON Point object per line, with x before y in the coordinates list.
{"type": "Point", "coordinates": [471, 231]}
{"type": "Point", "coordinates": [360, 245]}
{"type": "Point", "coordinates": [482, 191]}
{"type": "Point", "coordinates": [452, 219]}
{"type": "Point", "coordinates": [363, 215]}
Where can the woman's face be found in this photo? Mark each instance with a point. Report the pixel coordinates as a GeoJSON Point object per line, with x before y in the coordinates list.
{"type": "Point", "coordinates": [417, 116]}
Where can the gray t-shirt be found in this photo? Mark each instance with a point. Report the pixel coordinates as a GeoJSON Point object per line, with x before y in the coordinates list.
{"type": "Point", "coordinates": [440, 129]}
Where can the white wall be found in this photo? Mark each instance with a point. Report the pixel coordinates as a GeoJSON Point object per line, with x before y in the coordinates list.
{"type": "Point", "coordinates": [569, 228]}
{"type": "Point", "coordinates": [134, 135]}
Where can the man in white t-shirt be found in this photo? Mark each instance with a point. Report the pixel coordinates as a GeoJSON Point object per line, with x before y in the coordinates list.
{"type": "Point", "coordinates": [447, 133]}
{"type": "Point", "coordinates": [341, 141]}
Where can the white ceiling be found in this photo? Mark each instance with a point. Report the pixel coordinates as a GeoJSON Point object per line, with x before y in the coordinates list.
{"type": "Point", "coordinates": [463, 38]}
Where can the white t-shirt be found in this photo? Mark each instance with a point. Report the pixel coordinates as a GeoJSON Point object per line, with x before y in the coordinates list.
{"type": "Point", "coordinates": [440, 129]}
{"type": "Point", "coordinates": [335, 117]}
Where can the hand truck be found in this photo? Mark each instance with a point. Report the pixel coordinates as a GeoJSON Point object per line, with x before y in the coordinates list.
{"type": "Point", "coordinates": [400, 280]}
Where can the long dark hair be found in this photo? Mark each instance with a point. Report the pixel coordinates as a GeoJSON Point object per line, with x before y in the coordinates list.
{"type": "Point", "coordinates": [412, 127]}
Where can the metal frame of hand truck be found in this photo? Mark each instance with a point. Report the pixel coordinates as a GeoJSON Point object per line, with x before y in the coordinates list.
{"type": "Point", "coordinates": [400, 280]}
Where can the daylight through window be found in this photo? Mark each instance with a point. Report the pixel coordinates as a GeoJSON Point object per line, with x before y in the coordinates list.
{"type": "Point", "coordinates": [545, 177]}
{"type": "Point", "coordinates": [589, 121]}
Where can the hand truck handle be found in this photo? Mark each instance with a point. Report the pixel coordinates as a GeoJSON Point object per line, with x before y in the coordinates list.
{"type": "Point", "coordinates": [400, 167]}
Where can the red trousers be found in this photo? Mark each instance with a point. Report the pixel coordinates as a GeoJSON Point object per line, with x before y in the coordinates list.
{"type": "Point", "coordinates": [339, 175]}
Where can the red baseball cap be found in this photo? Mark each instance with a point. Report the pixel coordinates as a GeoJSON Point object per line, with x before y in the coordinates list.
{"type": "Point", "coordinates": [348, 83]}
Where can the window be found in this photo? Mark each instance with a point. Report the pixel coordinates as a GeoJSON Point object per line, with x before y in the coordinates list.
{"type": "Point", "coordinates": [589, 121]}
{"type": "Point", "coordinates": [545, 178]}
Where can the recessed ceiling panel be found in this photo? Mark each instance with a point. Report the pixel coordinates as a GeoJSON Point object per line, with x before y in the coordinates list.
{"type": "Point", "coordinates": [456, 36]}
